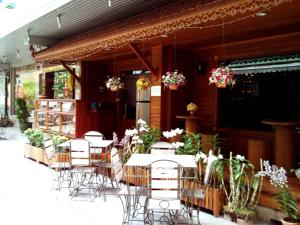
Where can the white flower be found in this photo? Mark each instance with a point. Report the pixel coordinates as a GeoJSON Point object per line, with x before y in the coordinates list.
{"type": "Point", "coordinates": [140, 121]}
{"type": "Point", "coordinates": [220, 156]}
{"type": "Point", "coordinates": [131, 133]}
{"type": "Point", "coordinates": [177, 144]}
{"type": "Point", "coordinates": [239, 157]}
{"type": "Point", "coordinates": [142, 128]}
{"type": "Point", "coordinates": [178, 131]}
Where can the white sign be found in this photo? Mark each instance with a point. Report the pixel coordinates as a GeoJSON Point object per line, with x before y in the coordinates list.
{"type": "Point", "coordinates": [155, 90]}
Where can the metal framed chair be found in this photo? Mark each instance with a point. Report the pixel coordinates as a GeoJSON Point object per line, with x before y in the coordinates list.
{"type": "Point", "coordinates": [132, 196]}
{"type": "Point", "coordinates": [164, 192]}
{"type": "Point", "coordinates": [94, 137]}
{"type": "Point", "coordinates": [194, 192]}
{"type": "Point", "coordinates": [162, 148]}
{"type": "Point", "coordinates": [82, 173]}
{"type": "Point", "coordinates": [59, 170]}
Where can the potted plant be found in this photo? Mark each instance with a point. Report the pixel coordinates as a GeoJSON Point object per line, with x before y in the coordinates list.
{"type": "Point", "coordinates": [173, 80]}
{"type": "Point", "coordinates": [244, 190]}
{"type": "Point", "coordinates": [22, 113]}
{"type": "Point", "coordinates": [284, 195]}
{"type": "Point", "coordinates": [143, 83]}
{"type": "Point", "coordinates": [222, 76]}
{"type": "Point", "coordinates": [114, 83]}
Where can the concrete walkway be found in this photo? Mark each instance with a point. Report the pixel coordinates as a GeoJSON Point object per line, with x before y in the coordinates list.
{"type": "Point", "coordinates": [26, 196]}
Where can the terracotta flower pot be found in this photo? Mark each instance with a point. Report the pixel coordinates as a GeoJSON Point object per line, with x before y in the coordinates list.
{"type": "Point", "coordinates": [173, 86]}
{"type": "Point", "coordinates": [221, 85]}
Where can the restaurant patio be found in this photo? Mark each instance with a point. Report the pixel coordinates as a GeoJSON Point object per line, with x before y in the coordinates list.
{"type": "Point", "coordinates": [27, 196]}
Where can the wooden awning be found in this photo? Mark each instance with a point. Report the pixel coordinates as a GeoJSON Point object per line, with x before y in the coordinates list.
{"type": "Point", "coordinates": [172, 18]}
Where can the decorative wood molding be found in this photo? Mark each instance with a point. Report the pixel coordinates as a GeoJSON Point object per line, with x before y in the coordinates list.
{"type": "Point", "coordinates": [138, 53]}
{"type": "Point", "coordinates": [151, 25]}
{"type": "Point", "coordinates": [69, 70]}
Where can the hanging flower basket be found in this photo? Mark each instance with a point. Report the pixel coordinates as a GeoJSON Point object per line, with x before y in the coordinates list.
{"type": "Point", "coordinates": [222, 77]}
{"type": "Point", "coordinates": [172, 86]}
{"type": "Point", "coordinates": [143, 83]}
{"type": "Point", "coordinates": [114, 83]}
{"type": "Point", "coordinates": [173, 80]}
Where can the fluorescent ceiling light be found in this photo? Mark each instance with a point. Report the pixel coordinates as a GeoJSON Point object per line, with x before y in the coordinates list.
{"type": "Point", "coordinates": [58, 21]}
{"type": "Point", "coordinates": [261, 14]}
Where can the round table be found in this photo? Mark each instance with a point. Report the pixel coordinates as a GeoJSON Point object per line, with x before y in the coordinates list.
{"type": "Point", "coordinates": [284, 154]}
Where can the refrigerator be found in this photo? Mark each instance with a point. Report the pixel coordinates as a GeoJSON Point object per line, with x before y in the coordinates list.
{"type": "Point", "coordinates": [143, 105]}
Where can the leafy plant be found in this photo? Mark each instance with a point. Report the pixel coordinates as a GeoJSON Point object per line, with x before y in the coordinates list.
{"type": "Point", "coordinates": [284, 196]}
{"type": "Point", "coordinates": [22, 113]}
{"type": "Point", "coordinates": [35, 137]}
{"type": "Point", "coordinates": [244, 185]}
{"type": "Point", "coordinates": [192, 144]}
{"type": "Point", "coordinates": [58, 139]}
{"type": "Point", "coordinates": [288, 203]}
{"type": "Point", "coordinates": [29, 92]}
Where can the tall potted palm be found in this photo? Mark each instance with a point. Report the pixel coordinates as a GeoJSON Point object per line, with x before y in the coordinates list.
{"type": "Point", "coordinates": [22, 113]}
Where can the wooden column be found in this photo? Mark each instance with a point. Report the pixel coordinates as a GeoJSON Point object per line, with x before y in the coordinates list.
{"type": "Point", "coordinates": [157, 107]}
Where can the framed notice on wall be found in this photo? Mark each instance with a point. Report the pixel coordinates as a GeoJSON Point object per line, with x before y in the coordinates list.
{"type": "Point", "coordinates": [155, 91]}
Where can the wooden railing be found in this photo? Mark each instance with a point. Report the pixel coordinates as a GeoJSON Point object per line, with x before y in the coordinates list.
{"type": "Point", "coordinates": [56, 116]}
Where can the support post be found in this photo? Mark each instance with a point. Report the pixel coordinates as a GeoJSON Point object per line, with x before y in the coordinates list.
{"type": "Point", "coordinates": [137, 51]}
{"type": "Point", "coordinates": [70, 70]}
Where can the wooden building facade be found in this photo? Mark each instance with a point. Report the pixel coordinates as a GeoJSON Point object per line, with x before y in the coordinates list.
{"type": "Point", "coordinates": [194, 37]}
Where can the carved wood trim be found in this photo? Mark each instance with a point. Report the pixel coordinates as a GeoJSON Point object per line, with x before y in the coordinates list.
{"type": "Point", "coordinates": [176, 17]}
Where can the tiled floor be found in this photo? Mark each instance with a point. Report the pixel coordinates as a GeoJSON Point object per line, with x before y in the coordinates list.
{"type": "Point", "coordinates": [26, 196]}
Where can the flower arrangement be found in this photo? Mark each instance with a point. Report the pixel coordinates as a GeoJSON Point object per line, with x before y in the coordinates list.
{"type": "Point", "coordinates": [192, 108]}
{"type": "Point", "coordinates": [143, 83]}
{"type": "Point", "coordinates": [173, 80]}
{"type": "Point", "coordinates": [284, 196]}
{"type": "Point", "coordinates": [222, 76]}
{"type": "Point", "coordinates": [114, 83]}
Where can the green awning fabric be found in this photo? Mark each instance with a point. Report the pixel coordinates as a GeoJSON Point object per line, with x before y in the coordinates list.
{"type": "Point", "coordinates": [266, 64]}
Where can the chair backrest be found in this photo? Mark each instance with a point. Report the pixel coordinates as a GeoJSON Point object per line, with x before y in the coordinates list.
{"type": "Point", "coordinates": [116, 165]}
{"type": "Point", "coordinates": [49, 148]}
{"type": "Point", "coordinates": [94, 137]}
{"type": "Point", "coordinates": [162, 148]}
{"type": "Point", "coordinates": [164, 180]}
{"type": "Point", "coordinates": [80, 152]}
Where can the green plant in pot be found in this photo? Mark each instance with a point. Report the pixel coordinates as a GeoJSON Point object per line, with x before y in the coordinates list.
{"type": "Point", "coordinates": [284, 195]}
{"type": "Point", "coordinates": [244, 190]}
{"type": "Point", "coordinates": [35, 137]}
{"type": "Point", "coordinates": [22, 113]}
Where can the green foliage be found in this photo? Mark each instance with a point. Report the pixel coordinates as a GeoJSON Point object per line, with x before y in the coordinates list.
{"type": "Point", "coordinates": [58, 139]}
{"type": "Point", "coordinates": [288, 203]}
{"type": "Point", "coordinates": [29, 87]}
{"type": "Point", "coordinates": [216, 143]}
{"type": "Point", "coordinates": [35, 137]}
{"type": "Point", "coordinates": [192, 144]}
{"type": "Point", "coordinates": [60, 80]}
{"type": "Point", "coordinates": [150, 137]}
{"type": "Point", "coordinates": [22, 113]}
